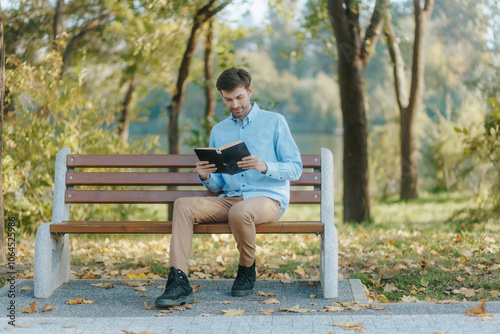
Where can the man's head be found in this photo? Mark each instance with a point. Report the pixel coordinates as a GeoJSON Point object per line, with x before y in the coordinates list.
{"type": "Point", "coordinates": [235, 86]}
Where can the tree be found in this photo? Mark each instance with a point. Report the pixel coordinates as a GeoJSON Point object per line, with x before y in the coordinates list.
{"type": "Point", "coordinates": [3, 255]}
{"type": "Point", "coordinates": [355, 50]}
{"type": "Point", "coordinates": [202, 15]}
{"type": "Point", "coordinates": [409, 106]}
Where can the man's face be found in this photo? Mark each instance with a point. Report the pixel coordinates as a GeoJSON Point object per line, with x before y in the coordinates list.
{"type": "Point", "coordinates": [238, 101]}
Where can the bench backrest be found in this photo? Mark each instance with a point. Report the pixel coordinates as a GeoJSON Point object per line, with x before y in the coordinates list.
{"type": "Point", "coordinates": [75, 173]}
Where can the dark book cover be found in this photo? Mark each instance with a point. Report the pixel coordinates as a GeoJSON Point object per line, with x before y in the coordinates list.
{"type": "Point", "coordinates": [226, 157]}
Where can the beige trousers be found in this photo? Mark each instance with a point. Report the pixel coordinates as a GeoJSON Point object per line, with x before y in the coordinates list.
{"type": "Point", "coordinates": [242, 216]}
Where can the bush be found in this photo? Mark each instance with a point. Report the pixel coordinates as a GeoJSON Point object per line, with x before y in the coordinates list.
{"type": "Point", "coordinates": [51, 113]}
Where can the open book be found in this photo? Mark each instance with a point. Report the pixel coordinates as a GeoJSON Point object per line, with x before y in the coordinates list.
{"type": "Point", "coordinates": [225, 157]}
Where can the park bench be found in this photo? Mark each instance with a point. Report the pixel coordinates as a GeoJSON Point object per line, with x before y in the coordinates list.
{"type": "Point", "coordinates": [74, 175]}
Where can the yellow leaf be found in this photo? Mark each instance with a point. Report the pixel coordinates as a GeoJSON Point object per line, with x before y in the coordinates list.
{"type": "Point", "coordinates": [350, 325]}
{"type": "Point", "coordinates": [460, 279]}
{"type": "Point", "coordinates": [424, 282]}
{"type": "Point", "coordinates": [295, 309]}
{"type": "Point", "coordinates": [267, 311]}
{"type": "Point", "coordinates": [205, 315]}
{"type": "Point", "coordinates": [264, 294]}
{"type": "Point", "coordinates": [79, 300]}
{"type": "Point", "coordinates": [383, 299]}
{"type": "Point", "coordinates": [26, 310]}
{"type": "Point", "coordinates": [149, 307]}
{"type": "Point", "coordinates": [132, 276]}
{"type": "Point", "coordinates": [270, 301]}
{"type": "Point", "coordinates": [232, 312]}
{"type": "Point", "coordinates": [140, 288]}
{"type": "Point", "coordinates": [494, 293]}
{"type": "Point", "coordinates": [26, 288]}
{"type": "Point", "coordinates": [299, 270]}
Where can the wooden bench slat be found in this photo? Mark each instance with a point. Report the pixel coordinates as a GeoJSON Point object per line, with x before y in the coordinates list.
{"type": "Point", "coordinates": [164, 196]}
{"type": "Point", "coordinates": [157, 179]}
{"type": "Point", "coordinates": [153, 160]}
{"type": "Point", "coordinates": [165, 227]}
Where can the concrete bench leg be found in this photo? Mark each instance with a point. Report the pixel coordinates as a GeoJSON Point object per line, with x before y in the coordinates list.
{"type": "Point", "coordinates": [329, 267]}
{"type": "Point", "coordinates": [329, 262]}
{"type": "Point", "coordinates": [52, 268]}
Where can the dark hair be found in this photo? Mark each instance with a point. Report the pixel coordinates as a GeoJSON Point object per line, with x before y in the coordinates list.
{"type": "Point", "coordinates": [233, 78]}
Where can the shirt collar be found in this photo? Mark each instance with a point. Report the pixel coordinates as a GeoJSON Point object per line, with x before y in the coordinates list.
{"type": "Point", "coordinates": [251, 115]}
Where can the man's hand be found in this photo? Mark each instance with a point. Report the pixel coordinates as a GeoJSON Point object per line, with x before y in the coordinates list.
{"type": "Point", "coordinates": [253, 162]}
{"type": "Point", "coordinates": [204, 168]}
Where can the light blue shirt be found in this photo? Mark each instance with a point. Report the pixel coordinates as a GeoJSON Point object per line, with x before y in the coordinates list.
{"type": "Point", "coordinates": [266, 135]}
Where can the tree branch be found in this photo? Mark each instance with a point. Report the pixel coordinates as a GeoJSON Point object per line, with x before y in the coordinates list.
{"type": "Point", "coordinates": [374, 30]}
{"type": "Point", "coordinates": [338, 19]}
{"type": "Point", "coordinates": [398, 62]}
{"type": "Point", "coordinates": [76, 38]}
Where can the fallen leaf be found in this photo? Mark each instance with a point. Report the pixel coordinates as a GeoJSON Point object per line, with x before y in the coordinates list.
{"type": "Point", "coordinates": [479, 311]}
{"type": "Point", "coordinates": [26, 310]}
{"type": "Point", "coordinates": [26, 288]}
{"type": "Point", "coordinates": [33, 306]}
{"type": "Point", "coordinates": [494, 293]}
{"type": "Point", "coordinates": [424, 282]}
{"type": "Point", "coordinates": [294, 309]}
{"type": "Point", "coordinates": [466, 292]}
{"type": "Point", "coordinates": [196, 288]}
{"type": "Point", "coordinates": [350, 325]}
{"type": "Point", "coordinates": [409, 299]}
{"type": "Point", "coordinates": [270, 301]}
{"type": "Point", "coordinates": [152, 307]}
{"type": "Point", "coordinates": [47, 307]}
{"type": "Point", "coordinates": [383, 299]}
{"type": "Point", "coordinates": [79, 300]}
{"type": "Point", "coordinates": [267, 311]}
{"type": "Point", "coordinates": [140, 288]}
{"type": "Point", "coordinates": [299, 270]}
{"type": "Point", "coordinates": [390, 288]}
{"type": "Point", "coordinates": [68, 326]}
{"type": "Point", "coordinates": [226, 302]}
{"type": "Point", "coordinates": [182, 307]}
{"type": "Point", "coordinates": [104, 286]}
{"type": "Point", "coordinates": [460, 279]}
{"type": "Point", "coordinates": [232, 312]}
{"type": "Point", "coordinates": [205, 315]}
{"type": "Point", "coordinates": [264, 294]}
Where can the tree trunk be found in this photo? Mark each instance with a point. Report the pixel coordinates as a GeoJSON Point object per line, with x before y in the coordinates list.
{"type": "Point", "coordinates": [354, 53]}
{"type": "Point", "coordinates": [209, 96]}
{"type": "Point", "coordinates": [3, 254]}
{"type": "Point", "coordinates": [58, 25]}
{"type": "Point", "coordinates": [124, 122]}
{"type": "Point", "coordinates": [180, 90]}
{"type": "Point", "coordinates": [409, 107]}
{"type": "Point", "coordinates": [174, 109]}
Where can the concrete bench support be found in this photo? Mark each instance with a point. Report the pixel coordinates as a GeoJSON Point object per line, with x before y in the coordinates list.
{"type": "Point", "coordinates": [52, 260]}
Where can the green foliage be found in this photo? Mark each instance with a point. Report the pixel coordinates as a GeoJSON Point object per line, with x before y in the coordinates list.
{"type": "Point", "coordinates": [50, 114]}
{"type": "Point", "coordinates": [483, 149]}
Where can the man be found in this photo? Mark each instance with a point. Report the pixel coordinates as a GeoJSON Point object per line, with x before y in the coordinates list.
{"type": "Point", "coordinates": [259, 194]}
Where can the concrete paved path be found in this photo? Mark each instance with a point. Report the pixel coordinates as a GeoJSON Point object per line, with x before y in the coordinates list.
{"type": "Point", "coordinates": [122, 310]}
